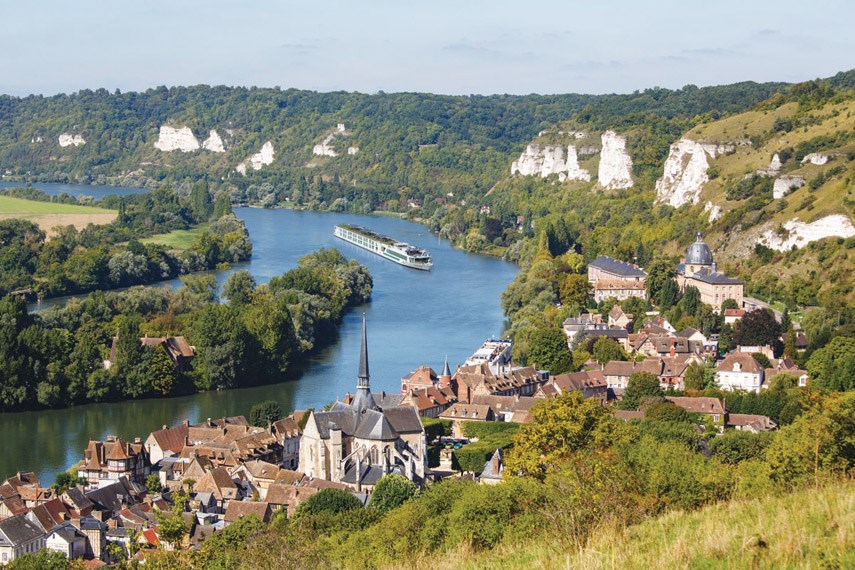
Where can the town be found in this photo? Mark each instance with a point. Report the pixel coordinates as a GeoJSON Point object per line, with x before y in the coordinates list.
{"type": "Point", "coordinates": [114, 503]}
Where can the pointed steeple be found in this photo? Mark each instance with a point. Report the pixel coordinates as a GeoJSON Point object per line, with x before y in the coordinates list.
{"type": "Point", "coordinates": [363, 358]}
{"type": "Point", "coordinates": [445, 379]}
{"type": "Point", "coordinates": [363, 400]}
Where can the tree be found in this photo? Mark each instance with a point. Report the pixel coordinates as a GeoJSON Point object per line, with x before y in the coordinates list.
{"type": "Point", "coordinates": [43, 560]}
{"type": "Point", "coordinates": [65, 480]}
{"type": "Point", "coordinates": [264, 412]}
{"type": "Point", "coordinates": [391, 492]}
{"type": "Point", "coordinates": [560, 427]}
{"type": "Point", "coordinates": [833, 366]}
{"type": "Point", "coordinates": [152, 484]}
{"type": "Point", "coordinates": [160, 370]}
{"type": "Point", "coordinates": [548, 350]}
{"type": "Point", "coordinates": [818, 443]}
{"type": "Point", "coordinates": [790, 349]}
{"type": "Point", "coordinates": [607, 350]}
{"type": "Point", "coordinates": [222, 205]}
{"type": "Point", "coordinates": [201, 203]}
{"type": "Point", "coordinates": [761, 359]}
{"type": "Point", "coordinates": [691, 300]}
{"type": "Point", "coordinates": [640, 384]}
{"type": "Point", "coordinates": [171, 527]}
{"type": "Point", "coordinates": [328, 501]}
{"type": "Point", "coordinates": [239, 288]}
{"type": "Point", "coordinates": [660, 274]}
{"type": "Point", "coordinates": [575, 290]}
{"type": "Point", "coordinates": [729, 304]}
{"type": "Point", "coordinates": [757, 328]}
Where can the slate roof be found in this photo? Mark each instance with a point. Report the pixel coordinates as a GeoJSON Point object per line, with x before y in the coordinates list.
{"type": "Point", "coordinates": [756, 422]}
{"type": "Point", "coordinates": [112, 497]}
{"type": "Point", "coordinates": [699, 253]}
{"type": "Point", "coordinates": [616, 267]}
{"type": "Point", "coordinates": [580, 380]}
{"type": "Point", "coordinates": [18, 530]}
{"type": "Point", "coordinates": [368, 474]}
{"type": "Point", "coordinates": [715, 278]}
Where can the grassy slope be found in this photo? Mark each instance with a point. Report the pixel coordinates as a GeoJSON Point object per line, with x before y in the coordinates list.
{"type": "Point", "coordinates": [178, 239]}
{"type": "Point", "coordinates": [28, 208]}
{"type": "Point", "coordinates": [806, 529]}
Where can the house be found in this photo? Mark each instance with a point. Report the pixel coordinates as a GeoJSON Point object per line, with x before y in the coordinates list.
{"type": "Point", "coordinates": [219, 483]}
{"type": "Point", "coordinates": [620, 336]}
{"type": "Point", "coordinates": [180, 353]}
{"type": "Point", "coordinates": [619, 289]}
{"type": "Point", "coordinates": [608, 268]}
{"type": "Point", "coordinates": [739, 371]}
{"type": "Point", "coordinates": [802, 376]}
{"type": "Point", "coordinates": [508, 408]}
{"type": "Point", "coordinates": [78, 502]}
{"type": "Point", "coordinates": [259, 473]}
{"type": "Point", "coordinates": [239, 509]}
{"type": "Point", "coordinates": [460, 412]}
{"type": "Point", "coordinates": [693, 335]}
{"type": "Point", "coordinates": [699, 270]}
{"type": "Point", "coordinates": [618, 319]}
{"type": "Point", "coordinates": [19, 535]}
{"type": "Point", "coordinates": [11, 507]}
{"type": "Point", "coordinates": [288, 497]}
{"type": "Point", "coordinates": [358, 443]}
{"type": "Point", "coordinates": [493, 469]}
{"type": "Point", "coordinates": [67, 540]}
{"type": "Point", "coordinates": [733, 315]}
{"type": "Point", "coordinates": [668, 345]}
{"type": "Point", "coordinates": [481, 380]}
{"type": "Point", "coordinates": [591, 383]}
{"type": "Point", "coordinates": [288, 433]}
{"type": "Point", "coordinates": [167, 441]}
{"type": "Point", "coordinates": [712, 407]}
{"type": "Point", "coordinates": [801, 340]}
{"type": "Point", "coordinates": [750, 422]}
{"type": "Point", "coordinates": [105, 462]}
{"type": "Point", "coordinates": [116, 496]}
{"type": "Point", "coordinates": [428, 393]}
{"type": "Point", "coordinates": [582, 324]}
{"type": "Point", "coordinates": [95, 532]}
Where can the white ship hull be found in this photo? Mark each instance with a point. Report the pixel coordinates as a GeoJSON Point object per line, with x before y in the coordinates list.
{"type": "Point", "coordinates": [399, 252]}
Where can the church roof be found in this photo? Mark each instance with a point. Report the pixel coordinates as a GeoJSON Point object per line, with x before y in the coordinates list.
{"type": "Point", "coordinates": [699, 253]}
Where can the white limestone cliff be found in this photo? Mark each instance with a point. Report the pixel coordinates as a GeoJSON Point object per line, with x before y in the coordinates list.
{"type": "Point", "coordinates": [170, 139]}
{"type": "Point", "coordinates": [715, 149]}
{"type": "Point", "coordinates": [325, 147]}
{"type": "Point", "coordinates": [815, 158]}
{"type": "Point", "coordinates": [685, 173]}
{"type": "Point", "coordinates": [714, 210]}
{"type": "Point", "coordinates": [783, 185]}
{"type": "Point", "coordinates": [68, 139]}
{"type": "Point", "coordinates": [775, 165]}
{"type": "Point", "coordinates": [214, 142]}
{"type": "Point", "coordinates": [799, 234]}
{"type": "Point", "coordinates": [262, 158]}
{"type": "Point", "coordinates": [615, 164]}
{"type": "Point", "coordinates": [352, 150]}
{"type": "Point", "coordinates": [543, 161]}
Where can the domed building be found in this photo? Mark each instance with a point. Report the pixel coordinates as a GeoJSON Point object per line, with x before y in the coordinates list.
{"type": "Point", "coordinates": [698, 270]}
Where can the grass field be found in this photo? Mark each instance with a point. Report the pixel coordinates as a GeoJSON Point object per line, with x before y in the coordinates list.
{"type": "Point", "coordinates": [48, 215]}
{"type": "Point", "coordinates": [178, 239]}
{"type": "Point", "coordinates": [807, 529]}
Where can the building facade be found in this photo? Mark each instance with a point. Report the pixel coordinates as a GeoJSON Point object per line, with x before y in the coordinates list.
{"type": "Point", "coordinates": [699, 270]}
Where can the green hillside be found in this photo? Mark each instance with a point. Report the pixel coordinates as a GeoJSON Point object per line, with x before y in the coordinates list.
{"type": "Point", "coordinates": [808, 529]}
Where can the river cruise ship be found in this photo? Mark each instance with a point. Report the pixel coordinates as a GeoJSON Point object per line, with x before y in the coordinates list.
{"type": "Point", "coordinates": [384, 246]}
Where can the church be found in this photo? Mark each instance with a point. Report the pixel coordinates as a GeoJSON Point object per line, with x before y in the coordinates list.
{"type": "Point", "coordinates": [699, 270]}
{"type": "Point", "coordinates": [358, 443]}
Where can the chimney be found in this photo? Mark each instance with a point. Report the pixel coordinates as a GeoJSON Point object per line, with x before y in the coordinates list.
{"type": "Point", "coordinates": [137, 440]}
{"type": "Point", "coordinates": [165, 426]}
{"type": "Point", "coordinates": [186, 423]}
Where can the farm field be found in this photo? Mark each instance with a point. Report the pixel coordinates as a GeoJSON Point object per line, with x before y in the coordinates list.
{"type": "Point", "coordinates": [177, 239]}
{"type": "Point", "coordinates": [48, 215]}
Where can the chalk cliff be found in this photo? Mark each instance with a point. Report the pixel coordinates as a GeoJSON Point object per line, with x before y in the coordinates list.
{"type": "Point", "coordinates": [259, 159]}
{"type": "Point", "coordinates": [685, 173]}
{"type": "Point", "coordinates": [615, 170]}
{"type": "Point", "coordinates": [815, 158]}
{"type": "Point", "coordinates": [68, 139]}
{"type": "Point", "coordinates": [170, 139]}
{"type": "Point", "coordinates": [214, 142]}
{"type": "Point", "coordinates": [543, 161]}
{"type": "Point", "coordinates": [784, 183]}
{"type": "Point", "coordinates": [799, 234]}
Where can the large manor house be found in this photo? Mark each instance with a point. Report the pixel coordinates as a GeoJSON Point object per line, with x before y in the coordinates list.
{"type": "Point", "coordinates": [613, 278]}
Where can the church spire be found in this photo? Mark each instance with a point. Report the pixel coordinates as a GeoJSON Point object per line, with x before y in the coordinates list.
{"type": "Point", "coordinates": [446, 371]}
{"type": "Point", "coordinates": [363, 399]}
{"type": "Point", "coordinates": [363, 358]}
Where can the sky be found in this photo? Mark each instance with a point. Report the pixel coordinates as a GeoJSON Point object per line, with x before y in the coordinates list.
{"type": "Point", "coordinates": [438, 46]}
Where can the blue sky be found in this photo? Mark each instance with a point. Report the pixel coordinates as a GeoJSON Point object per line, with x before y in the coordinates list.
{"type": "Point", "coordinates": [456, 47]}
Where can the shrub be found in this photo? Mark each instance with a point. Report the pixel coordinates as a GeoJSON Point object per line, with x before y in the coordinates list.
{"type": "Point", "coordinates": [391, 492]}
{"type": "Point", "coordinates": [328, 501]}
{"type": "Point", "coordinates": [436, 427]}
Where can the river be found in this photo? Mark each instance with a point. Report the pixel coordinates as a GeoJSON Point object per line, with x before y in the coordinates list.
{"type": "Point", "coordinates": [414, 318]}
